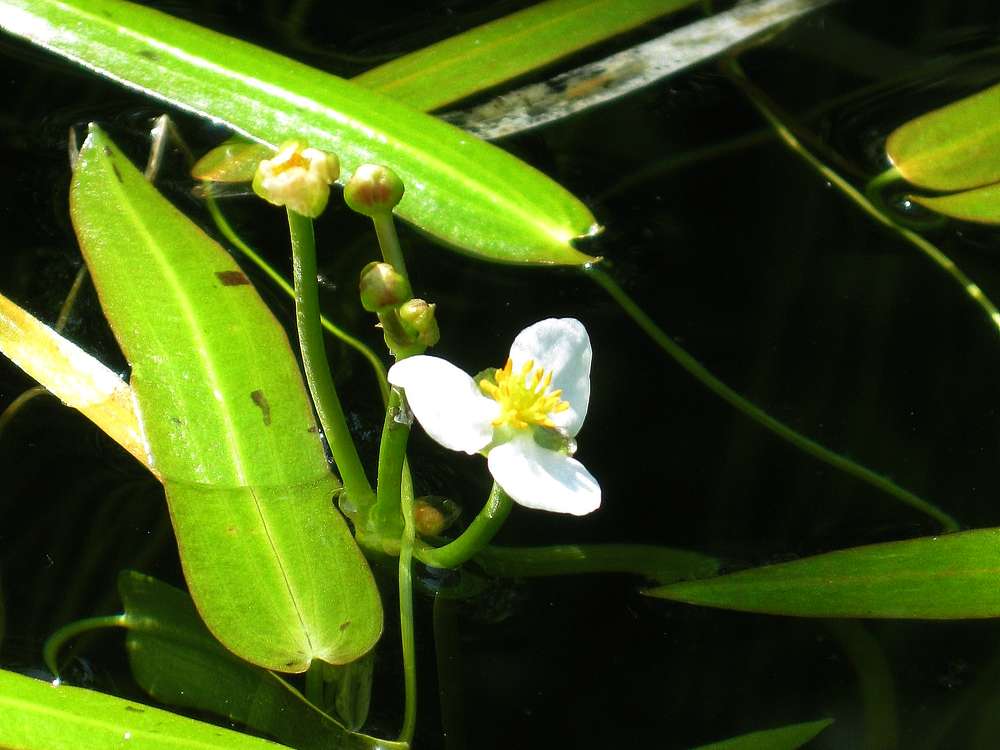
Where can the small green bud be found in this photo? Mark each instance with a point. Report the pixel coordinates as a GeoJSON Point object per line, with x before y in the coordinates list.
{"type": "Point", "coordinates": [373, 190]}
{"type": "Point", "coordinates": [382, 287]}
{"type": "Point", "coordinates": [419, 321]}
{"type": "Point", "coordinates": [297, 177]}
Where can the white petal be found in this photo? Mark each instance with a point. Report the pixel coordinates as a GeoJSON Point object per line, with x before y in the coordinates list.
{"type": "Point", "coordinates": [563, 346]}
{"type": "Point", "coordinates": [538, 478]}
{"type": "Point", "coordinates": [447, 402]}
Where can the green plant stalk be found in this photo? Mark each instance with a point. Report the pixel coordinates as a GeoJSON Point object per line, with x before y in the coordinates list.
{"type": "Point", "coordinates": [407, 641]}
{"type": "Point", "coordinates": [758, 415]}
{"type": "Point", "coordinates": [365, 351]}
{"type": "Point", "coordinates": [475, 538]}
{"type": "Point", "coordinates": [946, 264]}
{"type": "Point", "coordinates": [388, 240]}
{"type": "Point", "coordinates": [55, 642]}
{"type": "Point", "coordinates": [387, 521]}
{"type": "Point", "coordinates": [321, 386]}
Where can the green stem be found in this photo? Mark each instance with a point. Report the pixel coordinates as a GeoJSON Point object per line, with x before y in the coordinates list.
{"type": "Point", "coordinates": [406, 615]}
{"type": "Point", "coordinates": [314, 684]}
{"type": "Point", "coordinates": [321, 386]}
{"type": "Point", "coordinates": [55, 642]}
{"type": "Point", "coordinates": [472, 541]}
{"type": "Point", "coordinates": [661, 564]}
{"type": "Point", "coordinates": [388, 240]}
{"type": "Point", "coordinates": [230, 234]}
{"type": "Point", "coordinates": [946, 264]}
{"type": "Point", "coordinates": [754, 412]}
{"type": "Point", "coordinates": [386, 521]}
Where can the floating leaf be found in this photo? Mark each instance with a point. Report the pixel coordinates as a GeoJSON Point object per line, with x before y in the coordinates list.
{"type": "Point", "coordinates": [783, 738]}
{"type": "Point", "coordinates": [270, 563]}
{"type": "Point", "coordinates": [955, 147]}
{"type": "Point", "coordinates": [981, 205]}
{"type": "Point", "coordinates": [936, 578]}
{"type": "Point", "coordinates": [73, 376]}
{"type": "Point", "coordinates": [36, 715]}
{"type": "Point", "coordinates": [463, 191]}
{"type": "Point", "coordinates": [508, 47]}
{"type": "Point", "coordinates": [177, 661]}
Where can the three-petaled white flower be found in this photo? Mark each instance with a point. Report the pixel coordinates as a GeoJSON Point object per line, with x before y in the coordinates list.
{"type": "Point", "coordinates": [523, 418]}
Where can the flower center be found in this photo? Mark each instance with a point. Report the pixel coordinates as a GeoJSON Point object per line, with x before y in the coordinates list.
{"type": "Point", "coordinates": [524, 397]}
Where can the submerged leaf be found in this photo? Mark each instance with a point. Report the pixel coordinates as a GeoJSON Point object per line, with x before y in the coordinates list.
{"type": "Point", "coordinates": [783, 738]}
{"type": "Point", "coordinates": [955, 147]}
{"type": "Point", "coordinates": [36, 715]}
{"type": "Point", "coordinates": [466, 193]}
{"type": "Point", "coordinates": [269, 561]}
{"type": "Point", "coordinates": [936, 578]}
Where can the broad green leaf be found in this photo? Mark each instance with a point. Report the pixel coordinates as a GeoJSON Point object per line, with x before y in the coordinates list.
{"type": "Point", "coordinates": [934, 578]}
{"type": "Point", "coordinates": [36, 715]}
{"type": "Point", "coordinates": [73, 376]}
{"type": "Point", "coordinates": [508, 47]}
{"type": "Point", "coordinates": [463, 191]}
{"type": "Point", "coordinates": [952, 148]}
{"type": "Point", "coordinates": [980, 205]}
{"type": "Point", "coordinates": [177, 661]}
{"type": "Point", "coordinates": [783, 738]}
{"type": "Point", "coordinates": [270, 563]}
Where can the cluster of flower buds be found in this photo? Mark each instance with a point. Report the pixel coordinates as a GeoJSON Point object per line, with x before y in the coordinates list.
{"type": "Point", "coordinates": [409, 324]}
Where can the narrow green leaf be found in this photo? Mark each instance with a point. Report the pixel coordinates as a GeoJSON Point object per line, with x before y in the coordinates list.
{"type": "Point", "coordinates": [508, 47]}
{"type": "Point", "coordinates": [36, 715]}
{"type": "Point", "coordinates": [783, 738]}
{"type": "Point", "coordinates": [952, 148]}
{"type": "Point", "coordinates": [269, 562]}
{"type": "Point", "coordinates": [981, 205]}
{"type": "Point", "coordinates": [463, 191]}
{"type": "Point", "coordinates": [936, 578]}
{"type": "Point", "coordinates": [235, 160]}
{"type": "Point", "coordinates": [177, 661]}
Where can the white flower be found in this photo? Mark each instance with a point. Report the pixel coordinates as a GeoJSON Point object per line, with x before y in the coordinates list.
{"type": "Point", "coordinates": [297, 177]}
{"type": "Point", "coordinates": [524, 419]}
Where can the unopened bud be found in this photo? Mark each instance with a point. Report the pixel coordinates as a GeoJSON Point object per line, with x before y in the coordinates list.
{"type": "Point", "coordinates": [297, 177]}
{"type": "Point", "coordinates": [373, 190]}
{"type": "Point", "coordinates": [382, 287]}
{"type": "Point", "coordinates": [419, 321]}
{"type": "Point", "coordinates": [432, 515]}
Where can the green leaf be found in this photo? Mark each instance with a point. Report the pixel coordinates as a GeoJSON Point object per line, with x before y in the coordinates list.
{"type": "Point", "coordinates": [936, 578]}
{"type": "Point", "coordinates": [235, 160]}
{"type": "Point", "coordinates": [463, 191]}
{"type": "Point", "coordinates": [36, 715]}
{"type": "Point", "coordinates": [783, 738]}
{"type": "Point", "coordinates": [177, 661]}
{"type": "Point", "coordinates": [508, 47]}
{"type": "Point", "coordinates": [952, 148]}
{"type": "Point", "coordinates": [981, 205]}
{"type": "Point", "coordinates": [269, 561]}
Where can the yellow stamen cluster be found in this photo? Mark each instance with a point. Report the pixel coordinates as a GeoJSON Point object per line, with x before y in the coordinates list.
{"type": "Point", "coordinates": [524, 397]}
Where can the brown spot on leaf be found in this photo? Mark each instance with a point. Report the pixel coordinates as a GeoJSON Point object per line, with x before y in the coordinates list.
{"type": "Point", "coordinates": [344, 625]}
{"type": "Point", "coordinates": [107, 151]}
{"type": "Point", "coordinates": [314, 430]}
{"type": "Point", "coordinates": [260, 400]}
{"type": "Point", "coordinates": [118, 175]}
{"type": "Point", "coordinates": [149, 54]}
{"type": "Point", "coordinates": [135, 710]}
{"type": "Point", "coordinates": [232, 278]}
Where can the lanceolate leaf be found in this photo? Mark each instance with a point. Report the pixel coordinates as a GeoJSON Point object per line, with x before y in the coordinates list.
{"type": "Point", "coordinates": [498, 51]}
{"type": "Point", "coordinates": [465, 192]}
{"type": "Point", "coordinates": [952, 148]}
{"type": "Point", "coordinates": [783, 738]}
{"type": "Point", "coordinates": [177, 661]}
{"type": "Point", "coordinates": [981, 205]}
{"type": "Point", "coordinates": [36, 715]}
{"type": "Point", "coordinates": [270, 563]}
{"type": "Point", "coordinates": [936, 578]}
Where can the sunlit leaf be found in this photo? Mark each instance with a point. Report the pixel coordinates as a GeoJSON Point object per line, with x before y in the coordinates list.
{"type": "Point", "coordinates": [177, 661]}
{"type": "Point", "coordinates": [73, 376]}
{"type": "Point", "coordinates": [270, 563]}
{"type": "Point", "coordinates": [952, 148]}
{"type": "Point", "coordinates": [463, 191]}
{"type": "Point", "coordinates": [508, 47]}
{"type": "Point", "coordinates": [783, 738]}
{"type": "Point", "coordinates": [935, 578]}
{"type": "Point", "coordinates": [36, 715]}
{"type": "Point", "coordinates": [235, 160]}
{"type": "Point", "coordinates": [981, 205]}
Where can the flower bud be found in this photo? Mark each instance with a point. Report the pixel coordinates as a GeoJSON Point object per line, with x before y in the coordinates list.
{"type": "Point", "coordinates": [419, 322]}
{"type": "Point", "coordinates": [382, 287]}
{"type": "Point", "coordinates": [373, 190]}
{"type": "Point", "coordinates": [432, 515]}
{"type": "Point", "coordinates": [298, 178]}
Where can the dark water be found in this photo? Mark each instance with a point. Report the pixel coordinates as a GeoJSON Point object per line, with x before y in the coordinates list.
{"type": "Point", "coordinates": [747, 257]}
